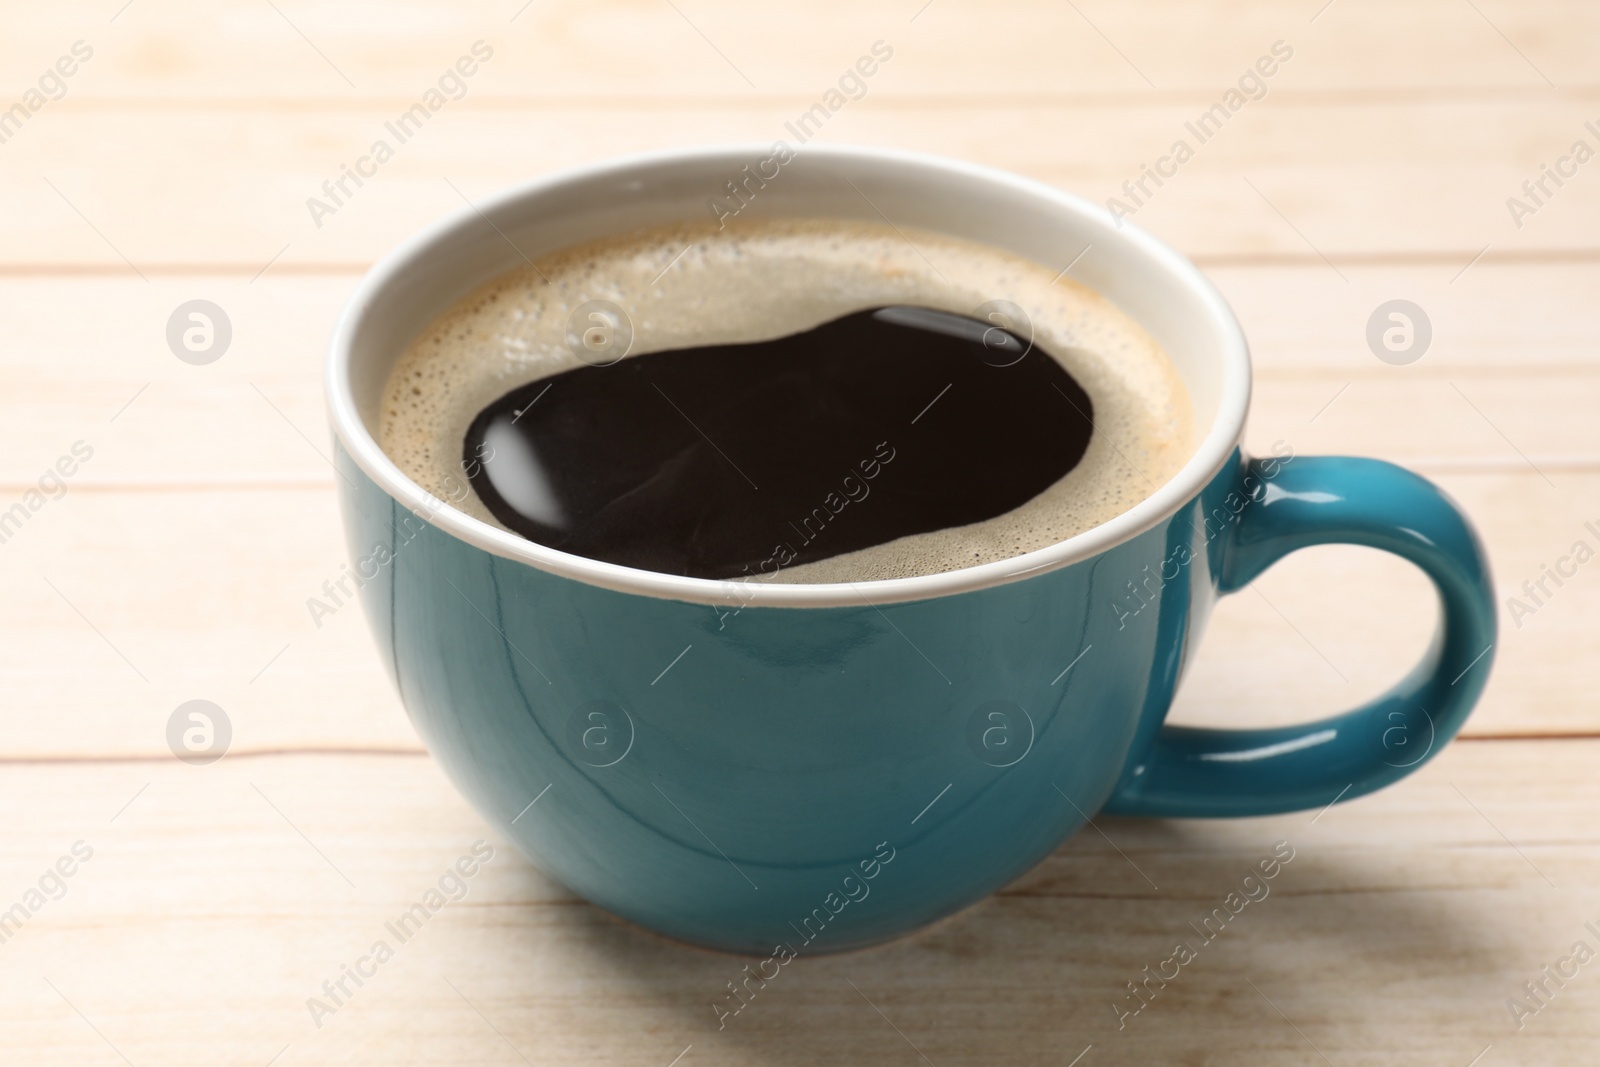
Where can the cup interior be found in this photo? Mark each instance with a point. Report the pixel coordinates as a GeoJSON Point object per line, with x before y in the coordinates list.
{"type": "Point", "coordinates": [1159, 288]}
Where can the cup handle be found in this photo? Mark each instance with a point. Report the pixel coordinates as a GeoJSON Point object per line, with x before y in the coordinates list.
{"type": "Point", "coordinates": [1189, 772]}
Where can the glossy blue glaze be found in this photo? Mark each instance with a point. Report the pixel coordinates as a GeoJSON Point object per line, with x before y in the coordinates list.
{"type": "Point", "coordinates": [1324, 500]}
{"type": "Point", "coordinates": [829, 777]}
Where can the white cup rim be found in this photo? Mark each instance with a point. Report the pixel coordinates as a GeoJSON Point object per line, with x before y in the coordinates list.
{"type": "Point", "coordinates": [1212, 453]}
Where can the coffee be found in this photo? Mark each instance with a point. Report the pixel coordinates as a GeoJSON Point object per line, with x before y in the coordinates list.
{"type": "Point", "coordinates": [633, 463]}
{"type": "Point", "coordinates": [797, 401]}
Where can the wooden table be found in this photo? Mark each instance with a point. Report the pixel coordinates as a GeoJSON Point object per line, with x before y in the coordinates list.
{"type": "Point", "coordinates": [176, 564]}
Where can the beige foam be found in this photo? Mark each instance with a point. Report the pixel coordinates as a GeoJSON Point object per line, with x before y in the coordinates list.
{"type": "Point", "coordinates": [692, 284]}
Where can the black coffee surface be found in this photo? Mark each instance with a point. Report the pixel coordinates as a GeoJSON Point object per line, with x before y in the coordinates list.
{"type": "Point", "coordinates": [724, 461]}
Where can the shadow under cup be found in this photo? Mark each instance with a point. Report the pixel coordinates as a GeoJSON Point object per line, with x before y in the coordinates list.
{"type": "Point", "coordinates": [790, 769]}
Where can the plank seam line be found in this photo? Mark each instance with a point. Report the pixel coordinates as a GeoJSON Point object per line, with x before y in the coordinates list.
{"type": "Point", "coordinates": [1210, 260]}
{"type": "Point", "coordinates": [412, 753]}
{"type": "Point", "coordinates": [260, 753]}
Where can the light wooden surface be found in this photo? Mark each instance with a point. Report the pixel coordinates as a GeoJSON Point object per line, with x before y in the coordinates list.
{"type": "Point", "coordinates": [177, 564]}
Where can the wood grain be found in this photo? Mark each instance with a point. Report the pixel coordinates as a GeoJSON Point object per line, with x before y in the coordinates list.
{"type": "Point", "coordinates": [1323, 631]}
{"type": "Point", "coordinates": [645, 52]}
{"type": "Point", "coordinates": [1279, 180]}
{"type": "Point", "coordinates": [176, 565]}
{"type": "Point", "coordinates": [205, 920]}
{"type": "Point", "coordinates": [233, 454]}
{"type": "Point", "coordinates": [1511, 369]}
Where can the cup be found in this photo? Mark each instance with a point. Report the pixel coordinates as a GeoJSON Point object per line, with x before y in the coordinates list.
{"type": "Point", "coordinates": [789, 769]}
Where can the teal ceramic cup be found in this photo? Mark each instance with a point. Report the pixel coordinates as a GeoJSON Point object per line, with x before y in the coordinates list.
{"type": "Point", "coordinates": [788, 769]}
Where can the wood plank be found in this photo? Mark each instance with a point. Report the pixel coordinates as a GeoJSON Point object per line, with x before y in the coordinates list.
{"type": "Point", "coordinates": [204, 920]}
{"type": "Point", "coordinates": [1339, 180]}
{"type": "Point", "coordinates": [198, 51]}
{"type": "Point", "coordinates": [261, 431]}
{"type": "Point", "coordinates": [118, 607]}
{"type": "Point", "coordinates": [87, 359]}
{"type": "Point", "coordinates": [1512, 367]}
{"type": "Point", "coordinates": [205, 597]}
{"type": "Point", "coordinates": [1535, 318]}
{"type": "Point", "coordinates": [201, 427]}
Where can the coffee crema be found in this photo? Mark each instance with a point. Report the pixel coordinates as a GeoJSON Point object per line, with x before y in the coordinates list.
{"type": "Point", "coordinates": [803, 401]}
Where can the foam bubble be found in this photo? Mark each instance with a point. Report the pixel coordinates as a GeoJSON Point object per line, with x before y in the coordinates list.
{"type": "Point", "coordinates": [693, 285]}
